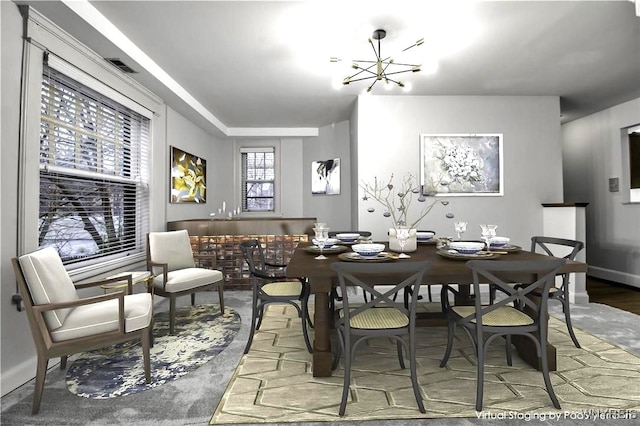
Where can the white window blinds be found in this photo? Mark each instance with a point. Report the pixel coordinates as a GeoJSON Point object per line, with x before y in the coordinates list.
{"type": "Point", "coordinates": [94, 152]}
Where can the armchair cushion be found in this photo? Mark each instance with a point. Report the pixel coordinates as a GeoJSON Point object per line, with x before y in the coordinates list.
{"type": "Point", "coordinates": [172, 248]}
{"type": "Point", "coordinates": [186, 279]}
{"type": "Point", "coordinates": [48, 282]}
{"type": "Point", "coordinates": [101, 317]}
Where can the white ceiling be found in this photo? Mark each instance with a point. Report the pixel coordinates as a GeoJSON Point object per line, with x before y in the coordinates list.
{"type": "Point", "coordinates": [241, 60]}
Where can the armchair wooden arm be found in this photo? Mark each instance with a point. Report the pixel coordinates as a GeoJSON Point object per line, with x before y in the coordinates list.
{"type": "Point", "coordinates": [165, 271]}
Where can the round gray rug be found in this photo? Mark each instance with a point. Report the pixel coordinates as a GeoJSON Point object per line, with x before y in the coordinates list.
{"type": "Point", "coordinates": [201, 332]}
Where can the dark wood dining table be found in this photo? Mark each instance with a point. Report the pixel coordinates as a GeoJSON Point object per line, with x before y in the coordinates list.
{"type": "Point", "coordinates": [443, 271]}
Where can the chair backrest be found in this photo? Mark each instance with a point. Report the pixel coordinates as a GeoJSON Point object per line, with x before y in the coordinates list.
{"type": "Point", "coordinates": [553, 246]}
{"type": "Point", "coordinates": [172, 248]}
{"type": "Point", "coordinates": [400, 275]}
{"type": "Point", "coordinates": [538, 275]}
{"type": "Point", "coordinates": [254, 256]}
{"type": "Point", "coordinates": [47, 281]}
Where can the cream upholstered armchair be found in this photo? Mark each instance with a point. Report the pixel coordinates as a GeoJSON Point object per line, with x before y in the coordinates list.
{"type": "Point", "coordinates": [63, 323]}
{"type": "Point", "coordinates": [171, 260]}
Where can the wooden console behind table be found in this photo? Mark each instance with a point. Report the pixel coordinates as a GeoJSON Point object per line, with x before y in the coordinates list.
{"type": "Point", "coordinates": [223, 236]}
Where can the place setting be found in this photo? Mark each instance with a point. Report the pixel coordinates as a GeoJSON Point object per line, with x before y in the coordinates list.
{"type": "Point", "coordinates": [489, 247]}
{"type": "Point", "coordinates": [368, 252]}
{"type": "Point", "coordinates": [322, 243]}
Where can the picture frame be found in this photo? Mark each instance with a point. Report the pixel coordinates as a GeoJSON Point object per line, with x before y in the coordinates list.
{"type": "Point", "coordinates": [325, 177]}
{"type": "Point", "coordinates": [188, 177]}
{"type": "Point", "coordinates": [461, 164]}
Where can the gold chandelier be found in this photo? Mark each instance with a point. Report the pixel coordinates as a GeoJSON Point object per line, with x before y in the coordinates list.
{"type": "Point", "coordinates": [380, 69]}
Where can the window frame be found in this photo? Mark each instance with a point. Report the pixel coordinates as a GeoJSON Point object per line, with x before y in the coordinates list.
{"type": "Point", "coordinates": [68, 107]}
{"type": "Point", "coordinates": [244, 146]}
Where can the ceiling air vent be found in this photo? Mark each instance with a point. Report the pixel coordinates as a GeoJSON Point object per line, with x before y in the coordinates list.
{"type": "Point", "coordinates": [121, 65]}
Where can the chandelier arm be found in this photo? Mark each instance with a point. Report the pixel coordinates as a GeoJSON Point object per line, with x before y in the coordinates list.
{"type": "Point", "coordinates": [372, 84]}
{"type": "Point", "coordinates": [406, 65]}
{"type": "Point", "coordinates": [363, 70]}
{"type": "Point", "coordinates": [393, 81]}
{"type": "Point", "coordinates": [374, 76]}
{"type": "Point", "coordinates": [398, 72]}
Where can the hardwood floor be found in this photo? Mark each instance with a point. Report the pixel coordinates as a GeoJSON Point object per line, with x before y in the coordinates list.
{"type": "Point", "coordinates": [613, 294]}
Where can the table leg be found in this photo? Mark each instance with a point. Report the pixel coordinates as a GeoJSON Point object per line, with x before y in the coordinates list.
{"type": "Point", "coordinates": [527, 351]}
{"type": "Point", "coordinates": [322, 356]}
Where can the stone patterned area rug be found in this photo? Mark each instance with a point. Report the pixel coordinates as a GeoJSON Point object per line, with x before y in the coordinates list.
{"type": "Point", "coordinates": [274, 384]}
{"type": "Point", "coordinates": [201, 333]}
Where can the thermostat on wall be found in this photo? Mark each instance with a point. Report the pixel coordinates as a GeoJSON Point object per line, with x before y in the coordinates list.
{"type": "Point", "coordinates": [613, 185]}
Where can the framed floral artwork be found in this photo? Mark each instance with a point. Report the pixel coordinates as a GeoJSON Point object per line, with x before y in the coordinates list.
{"type": "Point", "coordinates": [461, 164]}
{"type": "Point", "coordinates": [188, 177]}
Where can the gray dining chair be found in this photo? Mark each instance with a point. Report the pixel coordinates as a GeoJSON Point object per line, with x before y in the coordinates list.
{"type": "Point", "coordinates": [484, 322]}
{"type": "Point", "coordinates": [380, 316]}
{"type": "Point", "coordinates": [271, 285]}
{"type": "Point", "coordinates": [552, 247]}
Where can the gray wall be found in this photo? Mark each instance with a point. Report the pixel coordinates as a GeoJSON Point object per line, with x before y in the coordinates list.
{"type": "Point", "coordinates": [388, 132]}
{"type": "Point", "coordinates": [331, 142]}
{"type": "Point", "coordinates": [184, 135]}
{"type": "Point", "coordinates": [593, 153]}
{"type": "Point", "coordinates": [17, 346]}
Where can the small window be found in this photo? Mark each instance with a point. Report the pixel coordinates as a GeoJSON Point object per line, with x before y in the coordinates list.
{"type": "Point", "coordinates": [258, 179]}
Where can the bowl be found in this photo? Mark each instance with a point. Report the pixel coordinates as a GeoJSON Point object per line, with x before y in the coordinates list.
{"type": "Point", "coordinates": [466, 247]}
{"type": "Point", "coordinates": [498, 242]}
{"type": "Point", "coordinates": [368, 250]}
{"type": "Point", "coordinates": [424, 235]}
{"type": "Point", "coordinates": [347, 237]}
{"type": "Point", "coordinates": [327, 244]}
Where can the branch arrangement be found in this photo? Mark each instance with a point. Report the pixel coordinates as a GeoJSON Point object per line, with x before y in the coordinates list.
{"type": "Point", "coordinates": [397, 202]}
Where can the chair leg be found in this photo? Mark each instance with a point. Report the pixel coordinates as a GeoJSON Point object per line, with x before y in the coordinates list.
{"type": "Point", "coordinates": [305, 316]}
{"type": "Point", "coordinates": [347, 377]}
{"type": "Point", "coordinates": [193, 299]}
{"type": "Point", "coordinates": [63, 362]}
{"type": "Point", "coordinates": [414, 374]}
{"type": "Point", "coordinates": [172, 313]}
{"type": "Point", "coordinates": [260, 315]}
{"type": "Point", "coordinates": [480, 377]}
{"type": "Point", "coordinates": [339, 350]}
{"type": "Point", "coordinates": [545, 372]}
{"type": "Point", "coordinates": [254, 314]}
{"type": "Point", "coordinates": [41, 373]}
{"type": "Point", "coordinates": [451, 329]}
{"type": "Point", "coordinates": [146, 343]}
{"type": "Point", "coordinates": [567, 317]}
{"type": "Point", "coordinates": [429, 292]}
{"type": "Point", "coordinates": [221, 297]}
{"type": "Point", "coordinates": [400, 356]}
{"type": "Point", "coordinates": [509, 350]}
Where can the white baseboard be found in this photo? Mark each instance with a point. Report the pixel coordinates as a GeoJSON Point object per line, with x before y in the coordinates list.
{"type": "Point", "coordinates": [615, 276]}
{"type": "Point", "coordinates": [21, 374]}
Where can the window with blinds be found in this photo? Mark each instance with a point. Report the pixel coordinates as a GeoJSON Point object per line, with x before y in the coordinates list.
{"type": "Point", "coordinates": [258, 179]}
{"type": "Point", "coordinates": [94, 170]}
